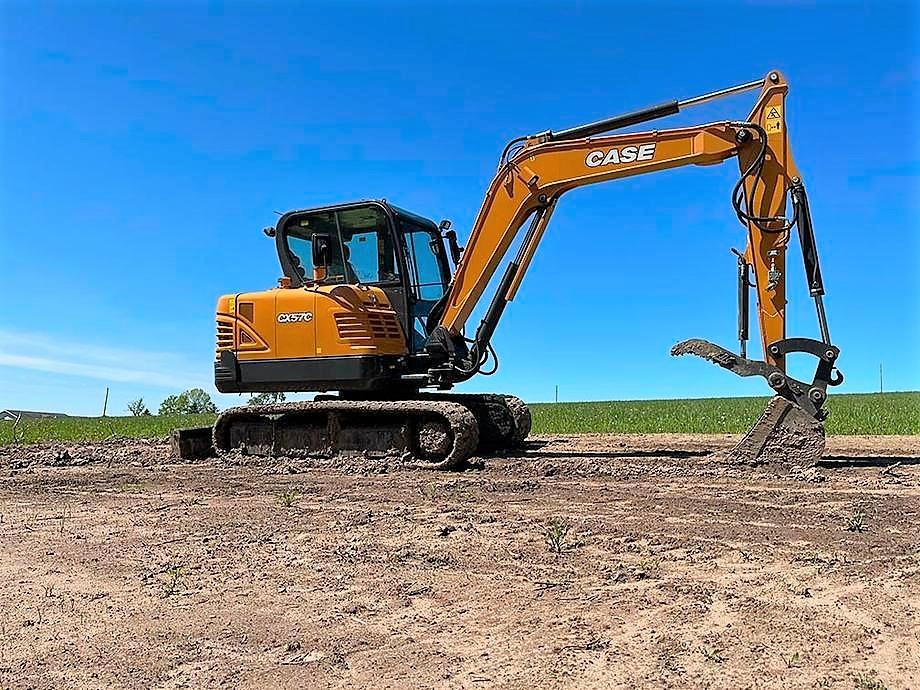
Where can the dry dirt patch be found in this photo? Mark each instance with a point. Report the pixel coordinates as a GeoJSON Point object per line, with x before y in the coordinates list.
{"type": "Point", "coordinates": [588, 561]}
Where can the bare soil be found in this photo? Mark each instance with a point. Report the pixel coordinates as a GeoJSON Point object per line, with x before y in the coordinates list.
{"type": "Point", "coordinates": [582, 561]}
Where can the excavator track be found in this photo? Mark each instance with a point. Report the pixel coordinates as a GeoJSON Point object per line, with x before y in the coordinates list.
{"type": "Point", "coordinates": [504, 420]}
{"type": "Point", "coordinates": [428, 434]}
{"type": "Point", "coordinates": [522, 419]}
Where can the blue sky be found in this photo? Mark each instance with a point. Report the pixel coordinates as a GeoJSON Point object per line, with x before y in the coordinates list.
{"type": "Point", "coordinates": [144, 145]}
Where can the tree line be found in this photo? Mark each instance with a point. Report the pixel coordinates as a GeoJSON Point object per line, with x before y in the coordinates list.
{"type": "Point", "coordinates": [195, 401]}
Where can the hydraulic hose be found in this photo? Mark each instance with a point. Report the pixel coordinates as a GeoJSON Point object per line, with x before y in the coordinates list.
{"type": "Point", "coordinates": [755, 169]}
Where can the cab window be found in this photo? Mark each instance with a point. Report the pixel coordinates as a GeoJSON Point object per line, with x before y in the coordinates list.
{"type": "Point", "coordinates": [423, 264]}
{"type": "Point", "coordinates": [361, 248]}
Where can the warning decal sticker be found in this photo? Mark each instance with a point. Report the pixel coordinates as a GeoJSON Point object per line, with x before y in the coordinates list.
{"type": "Point", "coordinates": [774, 119]}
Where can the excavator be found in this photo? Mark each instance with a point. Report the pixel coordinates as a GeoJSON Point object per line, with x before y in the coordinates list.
{"type": "Point", "coordinates": [370, 314]}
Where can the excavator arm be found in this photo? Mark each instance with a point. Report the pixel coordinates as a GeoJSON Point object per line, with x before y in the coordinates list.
{"type": "Point", "coordinates": [534, 172]}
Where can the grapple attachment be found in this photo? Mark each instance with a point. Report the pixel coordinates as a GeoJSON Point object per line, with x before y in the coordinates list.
{"type": "Point", "coordinates": [791, 428]}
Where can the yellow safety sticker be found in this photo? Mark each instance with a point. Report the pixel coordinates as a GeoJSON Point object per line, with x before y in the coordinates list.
{"type": "Point", "coordinates": [231, 305]}
{"type": "Point", "coordinates": [774, 119]}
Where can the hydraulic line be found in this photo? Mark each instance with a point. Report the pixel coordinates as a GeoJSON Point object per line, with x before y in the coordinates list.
{"type": "Point", "coordinates": [755, 169]}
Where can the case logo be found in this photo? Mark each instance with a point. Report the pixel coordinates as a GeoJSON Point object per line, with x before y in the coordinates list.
{"type": "Point", "coordinates": [295, 317]}
{"type": "Point", "coordinates": [626, 154]}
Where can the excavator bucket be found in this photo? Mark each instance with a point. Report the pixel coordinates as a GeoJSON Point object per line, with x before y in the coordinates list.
{"type": "Point", "coordinates": [790, 430]}
{"type": "Point", "coordinates": [784, 433]}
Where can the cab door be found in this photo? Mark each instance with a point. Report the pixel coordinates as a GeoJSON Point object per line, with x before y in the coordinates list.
{"type": "Point", "coordinates": [427, 279]}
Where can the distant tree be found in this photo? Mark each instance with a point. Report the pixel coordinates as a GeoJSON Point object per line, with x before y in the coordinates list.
{"type": "Point", "coordinates": [199, 402]}
{"type": "Point", "coordinates": [138, 408]}
{"type": "Point", "coordinates": [267, 398]}
{"type": "Point", "coordinates": [192, 401]}
{"type": "Point", "coordinates": [174, 404]}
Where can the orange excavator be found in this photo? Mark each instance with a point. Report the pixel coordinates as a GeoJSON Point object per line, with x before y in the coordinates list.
{"type": "Point", "coordinates": [369, 308]}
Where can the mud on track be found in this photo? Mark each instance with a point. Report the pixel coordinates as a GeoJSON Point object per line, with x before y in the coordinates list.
{"type": "Point", "coordinates": [120, 567]}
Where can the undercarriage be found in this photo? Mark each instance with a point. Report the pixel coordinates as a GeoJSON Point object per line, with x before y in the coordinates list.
{"type": "Point", "coordinates": [432, 431]}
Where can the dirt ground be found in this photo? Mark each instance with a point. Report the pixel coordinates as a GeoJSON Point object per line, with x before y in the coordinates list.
{"type": "Point", "coordinates": [583, 561]}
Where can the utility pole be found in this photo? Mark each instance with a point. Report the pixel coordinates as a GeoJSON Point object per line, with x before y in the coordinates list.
{"type": "Point", "coordinates": [106, 403]}
{"type": "Point", "coordinates": [881, 379]}
{"type": "Point", "coordinates": [557, 393]}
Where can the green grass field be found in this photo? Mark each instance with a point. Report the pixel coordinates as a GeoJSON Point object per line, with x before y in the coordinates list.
{"type": "Point", "coordinates": [97, 428]}
{"type": "Point", "coordinates": [854, 413]}
{"type": "Point", "coordinates": [858, 414]}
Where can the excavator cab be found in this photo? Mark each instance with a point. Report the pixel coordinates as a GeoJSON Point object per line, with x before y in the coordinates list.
{"type": "Point", "coordinates": [369, 243]}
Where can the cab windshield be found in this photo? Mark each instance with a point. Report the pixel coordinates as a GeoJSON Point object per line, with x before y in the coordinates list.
{"type": "Point", "coordinates": [361, 248]}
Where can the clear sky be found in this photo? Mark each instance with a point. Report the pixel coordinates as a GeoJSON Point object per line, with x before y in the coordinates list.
{"type": "Point", "coordinates": [144, 145]}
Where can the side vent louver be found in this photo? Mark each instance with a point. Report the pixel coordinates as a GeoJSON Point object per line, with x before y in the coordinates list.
{"type": "Point", "coordinates": [224, 335]}
{"type": "Point", "coordinates": [365, 328]}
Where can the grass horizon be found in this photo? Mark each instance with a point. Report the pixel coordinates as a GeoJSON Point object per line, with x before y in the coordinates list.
{"type": "Point", "coordinates": [850, 413]}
